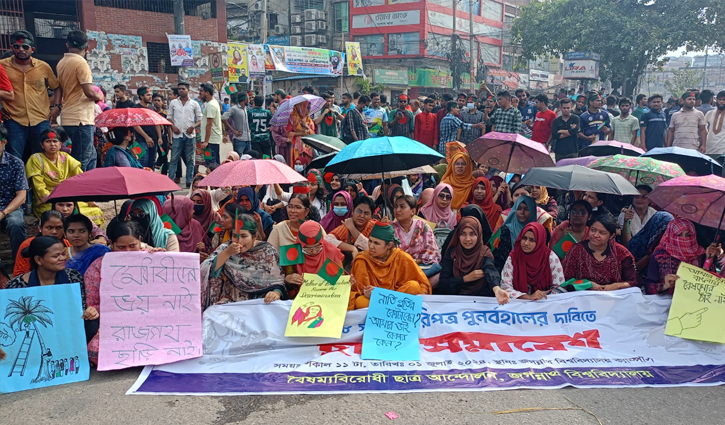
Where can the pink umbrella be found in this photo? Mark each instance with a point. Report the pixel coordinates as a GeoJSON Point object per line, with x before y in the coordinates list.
{"type": "Point", "coordinates": [610, 147]}
{"type": "Point", "coordinates": [109, 183]}
{"type": "Point", "coordinates": [509, 152]}
{"type": "Point", "coordinates": [582, 160]}
{"type": "Point", "coordinates": [698, 199]}
{"type": "Point", "coordinates": [251, 173]}
{"type": "Point", "coordinates": [130, 117]}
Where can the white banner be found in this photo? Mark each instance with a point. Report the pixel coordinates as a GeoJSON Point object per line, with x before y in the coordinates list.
{"type": "Point", "coordinates": [581, 69]}
{"type": "Point", "coordinates": [583, 339]}
{"type": "Point", "coordinates": [389, 19]}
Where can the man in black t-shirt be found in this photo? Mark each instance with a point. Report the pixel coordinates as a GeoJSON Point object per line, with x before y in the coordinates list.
{"type": "Point", "coordinates": [122, 101]}
{"type": "Point", "coordinates": [148, 134]}
{"type": "Point", "coordinates": [564, 132]}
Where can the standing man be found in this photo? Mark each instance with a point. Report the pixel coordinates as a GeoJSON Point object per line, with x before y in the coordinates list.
{"type": "Point", "coordinates": [279, 96]}
{"type": "Point", "coordinates": [641, 108]}
{"type": "Point", "coordinates": [528, 113]}
{"type": "Point", "coordinates": [443, 108]}
{"type": "Point", "coordinates": [715, 132]}
{"type": "Point", "coordinates": [211, 125]}
{"type": "Point", "coordinates": [706, 99]}
{"type": "Point", "coordinates": [13, 191]}
{"type": "Point", "coordinates": [376, 117]}
{"type": "Point", "coordinates": [653, 125]}
{"type": "Point", "coordinates": [354, 127]}
{"type": "Point", "coordinates": [564, 132]}
{"type": "Point", "coordinates": [625, 126]}
{"type": "Point", "coordinates": [24, 95]}
{"type": "Point", "coordinates": [611, 106]}
{"type": "Point", "coordinates": [259, 119]}
{"type": "Point", "coordinates": [403, 123]}
{"type": "Point", "coordinates": [472, 115]}
{"type": "Point", "coordinates": [122, 100]}
{"type": "Point", "coordinates": [505, 119]}
{"type": "Point", "coordinates": [185, 116]}
{"type": "Point", "coordinates": [580, 104]}
{"type": "Point", "coordinates": [225, 105]}
{"type": "Point", "coordinates": [415, 107]}
{"type": "Point", "coordinates": [544, 120]}
{"type": "Point", "coordinates": [346, 103]}
{"type": "Point", "coordinates": [451, 127]}
{"type": "Point", "coordinates": [687, 128]}
{"type": "Point", "coordinates": [162, 160]}
{"type": "Point", "coordinates": [426, 125]}
{"type": "Point", "coordinates": [79, 98]}
{"type": "Point", "coordinates": [594, 123]}
{"type": "Point", "coordinates": [150, 133]}
{"type": "Point", "coordinates": [327, 120]}
{"type": "Point", "coordinates": [241, 140]}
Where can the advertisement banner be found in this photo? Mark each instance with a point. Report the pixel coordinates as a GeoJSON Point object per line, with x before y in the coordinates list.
{"type": "Point", "coordinates": [390, 77]}
{"type": "Point", "coordinates": [305, 60]}
{"type": "Point", "coordinates": [404, 44]}
{"type": "Point", "coordinates": [237, 63]}
{"type": "Point", "coordinates": [507, 79]}
{"type": "Point", "coordinates": [180, 50]}
{"type": "Point", "coordinates": [354, 58]}
{"type": "Point", "coordinates": [389, 19]}
{"type": "Point", "coordinates": [434, 78]}
{"type": "Point", "coordinates": [581, 69]}
{"type": "Point", "coordinates": [255, 60]}
{"type": "Point", "coordinates": [537, 75]}
{"type": "Point", "coordinates": [581, 339]}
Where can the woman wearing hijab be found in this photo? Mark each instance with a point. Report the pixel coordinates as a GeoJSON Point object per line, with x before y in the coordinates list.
{"type": "Point", "coordinates": [392, 192]}
{"type": "Point", "coordinates": [459, 176]}
{"type": "Point", "coordinates": [317, 250]}
{"type": "Point", "coordinates": [482, 195]}
{"type": "Point", "coordinates": [204, 213]}
{"type": "Point", "coordinates": [522, 214]}
{"type": "Point", "coordinates": [144, 212]}
{"type": "Point", "coordinates": [340, 211]}
{"type": "Point", "coordinates": [181, 210]}
{"type": "Point", "coordinates": [425, 196]}
{"type": "Point", "coordinates": [333, 184]}
{"type": "Point", "coordinates": [532, 269]}
{"type": "Point", "coordinates": [247, 197]}
{"type": "Point", "coordinates": [438, 208]}
{"type": "Point", "coordinates": [546, 202]}
{"type": "Point", "coordinates": [467, 267]}
{"type": "Point", "coordinates": [471, 211]}
{"type": "Point", "coordinates": [542, 216]}
{"type": "Point", "coordinates": [119, 154]}
{"type": "Point", "coordinates": [300, 124]}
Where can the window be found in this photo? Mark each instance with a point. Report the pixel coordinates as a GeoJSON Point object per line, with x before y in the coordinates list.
{"type": "Point", "coordinates": [342, 16]}
{"type": "Point", "coordinates": [301, 5]}
{"type": "Point", "coordinates": [203, 8]}
{"type": "Point", "coordinates": [160, 59]}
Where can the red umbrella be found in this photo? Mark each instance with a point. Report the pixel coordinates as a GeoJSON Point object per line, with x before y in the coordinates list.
{"type": "Point", "coordinates": [508, 152]}
{"type": "Point", "coordinates": [130, 117]}
{"type": "Point", "coordinates": [251, 173]}
{"type": "Point", "coordinates": [109, 183]}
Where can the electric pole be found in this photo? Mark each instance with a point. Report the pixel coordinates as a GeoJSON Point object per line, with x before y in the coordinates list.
{"type": "Point", "coordinates": [263, 23]}
{"type": "Point", "coordinates": [470, 49]}
{"type": "Point", "coordinates": [179, 24]}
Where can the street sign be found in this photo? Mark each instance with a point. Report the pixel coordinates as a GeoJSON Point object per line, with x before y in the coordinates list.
{"type": "Point", "coordinates": [217, 70]}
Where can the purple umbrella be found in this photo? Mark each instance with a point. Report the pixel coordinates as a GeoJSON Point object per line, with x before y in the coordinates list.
{"type": "Point", "coordinates": [281, 116]}
{"type": "Point", "coordinates": [509, 152]}
{"type": "Point", "coordinates": [582, 160]}
{"type": "Point", "coordinates": [698, 199]}
{"type": "Point", "coordinates": [610, 147]}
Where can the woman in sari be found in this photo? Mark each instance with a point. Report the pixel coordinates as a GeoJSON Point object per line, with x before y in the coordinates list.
{"type": "Point", "coordinates": [438, 208]}
{"type": "Point", "coordinates": [300, 124]}
{"type": "Point", "coordinates": [542, 217]}
{"type": "Point", "coordinates": [459, 176]}
{"type": "Point", "coordinates": [416, 238]}
{"type": "Point", "coordinates": [576, 226]}
{"type": "Point", "coordinates": [544, 201]}
{"type": "Point", "coordinates": [51, 224]}
{"type": "Point", "coordinates": [181, 210]}
{"type": "Point", "coordinates": [81, 253]}
{"type": "Point", "coordinates": [222, 231]}
{"type": "Point", "coordinates": [285, 232]}
{"type": "Point", "coordinates": [98, 236]}
{"type": "Point", "coordinates": [47, 169]}
{"type": "Point", "coordinates": [248, 198]}
{"type": "Point", "coordinates": [340, 211]}
{"type": "Point", "coordinates": [643, 244]}
{"type": "Point", "coordinates": [243, 268]}
{"type": "Point", "coordinates": [119, 154]}
{"type": "Point", "coordinates": [482, 195]}
{"type": "Point", "coordinates": [353, 233]}
{"type": "Point", "coordinates": [511, 229]}
{"type": "Point", "coordinates": [384, 266]}
{"type": "Point", "coordinates": [532, 270]}
{"type": "Point", "coordinates": [317, 250]}
{"type": "Point", "coordinates": [146, 214]}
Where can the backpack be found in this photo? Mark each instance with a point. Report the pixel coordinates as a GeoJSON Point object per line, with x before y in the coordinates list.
{"type": "Point", "coordinates": [441, 233]}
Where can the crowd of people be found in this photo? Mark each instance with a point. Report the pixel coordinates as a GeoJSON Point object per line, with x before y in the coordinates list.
{"type": "Point", "coordinates": [465, 230]}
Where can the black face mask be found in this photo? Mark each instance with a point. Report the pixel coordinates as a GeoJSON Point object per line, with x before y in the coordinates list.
{"type": "Point", "coordinates": [198, 209]}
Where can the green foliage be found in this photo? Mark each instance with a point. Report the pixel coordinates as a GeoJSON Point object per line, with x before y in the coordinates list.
{"type": "Point", "coordinates": [683, 79]}
{"type": "Point", "coordinates": [366, 86]}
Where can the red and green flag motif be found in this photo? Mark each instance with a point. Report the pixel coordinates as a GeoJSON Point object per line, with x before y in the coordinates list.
{"type": "Point", "coordinates": [290, 255]}
{"type": "Point", "coordinates": [214, 227]}
{"type": "Point", "coordinates": [139, 149]}
{"type": "Point", "coordinates": [169, 224]}
{"type": "Point", "coordinates": [578, 284]}
{"type": "Point", "coordinates": [207, 154]}
{"type": "Point", "coordinates": [330, 271]}
{"type": "Point", "coordinates": [564, 245]}
{"type": "Point", "coordinates": [495, 239]}
{"type": "Point", "coordinates": [231, 89]}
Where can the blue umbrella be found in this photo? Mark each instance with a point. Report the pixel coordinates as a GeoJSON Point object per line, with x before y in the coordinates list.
{"type": "Point", "coordinates": [382, 154]}
{"type": "Point", "coordinates": [688, 159]}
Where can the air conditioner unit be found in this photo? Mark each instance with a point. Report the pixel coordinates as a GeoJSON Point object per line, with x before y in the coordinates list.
{"type": "Point", "coordinates": [295, 40]}
{"type": "Point", "coordinates": [321, 39]}
{"type": "Point", "coordinates": [310, 26]}
{"type": "Point", "coordinates": [310, 40]}
{"type": "Point", "coordinates": [321, 15]}
{"type": "Point", "coordinates": [310, 14]}
{"type": "Point", "coordinates": [296, 19]}
{"type": "Point", "coordinates": [257, 7]}
{"type": "Point", "coordinates": [296, 29]}
{"type": "Point", "coordinates": [321, 25]}
{"type": "Point", "coordinates": [279, 29]}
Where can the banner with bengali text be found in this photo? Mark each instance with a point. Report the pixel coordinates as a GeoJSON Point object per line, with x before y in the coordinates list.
{"type": "Point", "coordinates": [583, 339]}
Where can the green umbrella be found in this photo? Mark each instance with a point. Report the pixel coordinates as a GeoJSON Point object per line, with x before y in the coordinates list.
{"type": "Point", "coordinates": [324, 143]}
{"type": "Point", "coordinates": [638, 170]}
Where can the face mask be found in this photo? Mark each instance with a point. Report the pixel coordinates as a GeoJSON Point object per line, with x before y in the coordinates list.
{"type": "Point", "coordinates": [470, 105]}
{"type": "Point", "coordinates": [299, 168]}
{"type": "Point", "coordinates": [198, 209]}
{"type": "Point", "coordinates": [339, 211]}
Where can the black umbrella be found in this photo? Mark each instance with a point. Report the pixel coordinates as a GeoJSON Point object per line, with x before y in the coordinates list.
{"type": "Point", "coordinates": [610, 147]}
{"type": "Point", "coordinates": [321, 161]}
{"type": "Point", "coordinates": [576, 177]}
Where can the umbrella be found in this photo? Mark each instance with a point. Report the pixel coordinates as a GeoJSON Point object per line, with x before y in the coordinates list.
{"type": "Point", "coordinates": [251, 173]}
{"type": "Point", "coordinates": [426, 169]}
{"type": "Point", "coordinates": [688, 159]}
{"type": "Point", "coordinates": [281, 116]}
{"type": "Point", "coordinates": [638, 170]}
{"type": "Point", "coordinates": [130, 117]}
{"type": "Point", "coordinates": [381, 155]}
{"type": "Point", "coordinates": [610, 147]}
{"type": "Point", "coordinates": [576, 177]}
{"type": "Point", "coordinates": [324, 143]}
{"type": "Point", "coordinates": [511, 153]}
{"type": "Point", "coordinates": [110, 183]}
{"type": "Point", "coordinates": [698, 199]}
{"type": "Point", "coordinates": [321, 161]}
{"type": "Point", "coordinates": [582, 160]}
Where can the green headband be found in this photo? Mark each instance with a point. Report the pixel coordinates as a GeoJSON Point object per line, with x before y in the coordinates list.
{"type": "Point", "coordinates": [384, 232]}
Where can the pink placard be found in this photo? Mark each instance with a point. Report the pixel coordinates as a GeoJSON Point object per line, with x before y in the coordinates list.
{"type": "Point", "coordinates": [150, 309]}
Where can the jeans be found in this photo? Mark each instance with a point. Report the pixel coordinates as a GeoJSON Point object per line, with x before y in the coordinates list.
{"type": "Point", "coordinates": [183, 145]}
{"type": "Point", "coordinates": [149, 160]}
{"type": "Point", "coordinates": [264, 147]}
{"type": "Point", "coordinates": [19, 136]}
{"type": "Point", "coordinates": [14, 224]}
{"type": "Point", "coordinates": [82, 145]}
{"type": "Point", "coordinates": [241, 146]}
{"type": "Point", "coordinates": [431, 270]}
{"type": "Point", "coordinates": [214, 161]}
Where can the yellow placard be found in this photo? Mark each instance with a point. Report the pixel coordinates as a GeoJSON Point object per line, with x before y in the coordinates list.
{"type": "Point", "coordinates": [697, 310]}
{"type": "Point", "coordinates": [237, 63]}
{"type": "Point", "coordinates": [320, 308]}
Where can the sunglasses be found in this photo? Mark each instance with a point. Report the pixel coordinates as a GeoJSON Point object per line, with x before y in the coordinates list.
{"type": "Point", "coordinates": [445, 197]}
{"type": "Point", "coordinates": [138, 216]}
{"type": "Point", "coordinates": [23, 46]}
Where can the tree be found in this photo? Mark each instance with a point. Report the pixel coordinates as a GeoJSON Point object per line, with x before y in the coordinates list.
{"type": "Point", "coordinates": [629, 35]}
{"type": "Point", "coordinates": [26, 313]}
{"type": "Point", "coordinates": [683, 79]}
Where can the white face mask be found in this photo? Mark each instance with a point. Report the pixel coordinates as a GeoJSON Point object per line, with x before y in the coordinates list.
{"type": "Point", "coordinates": [299, 168]}
{"type": "Point", "coordinates": [470, 105]}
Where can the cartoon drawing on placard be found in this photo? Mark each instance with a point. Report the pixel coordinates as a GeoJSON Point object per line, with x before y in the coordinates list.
{"type": "Point", "coordinates": [309, 315]}
{"type": "Point", "coordinates": [24, 315]}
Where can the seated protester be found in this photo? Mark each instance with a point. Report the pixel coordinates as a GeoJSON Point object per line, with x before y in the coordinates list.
{"type": "Point", "coordinates": [241, 269]}
{"type": "Point", "coordinates": [205, 214]}
{"type": "Point", "coordinates": [542, 217]}
{"type": "Point", "coordinates": [482, 195]}
{"type": "Point", "coordinates": [384, 266]}
{"type": "Point", "coordinates": [392, 192]}
{"type": "Point", "coordinates": [318, 198]}
{"type": "Point", "coordinates": [81, 253]}
{"type": "Point", "coordinates": [225, 227]}
{"type": "Point", "coordinates": [145, 213]}
{"type": "Point", "coordinates": [605, 263]}
{"type": "Point", "coordinates": [13, 195]}
{"type": "Point", "coordinates": [471, 211]}
{"type": "Point", "coordinates": [501, 193]}
{"type": "Point", "coordinates": [352, 235]}
{"type": "Point", "coordinates": [97, 235]}
{"type": "Point", "coordinates": [511, 229]}
{"type": "Point", "coordinates": [219, 196]}
{"type": "Point", "coordinates": [643, 244]}
{"type": "Point", "coordinates": [425, 196]}
{"type": "Point", "coordinates": [340, 210]}
{"type": "Point", "coordinates": [181, 210]}
{"type": "Point", "coordinates": [576, 226]}
{"type": "Point", "coordinates": [316, 249]}
{"type": "Point", "coordinates": [544, 201]}
{"type": "Point", "coordinates": [416, 182]}
{"type": "Point", "coordinates": [596, 200]}
{"type": "Point", "coordinates": [333, 184]}
{"type": "Point", "coordinates": [416, 238]}
{"type": "Point", "coordinates": [285, 233]}
{"type": "Point", "coordinates": [51, 224]}
{"type": "Point", "coordinates": [459, 175]}
{"type": "Point", "coordinates": [467, 267]}
{"type": "Point", "coordinates": [247, 197]}
{"type": "Point", "coordinates": [532, 269]}
{"type": "Point", "coordinates": [351, 186]}
{"type": "Point", "coordinates": [438, 208]}
{"type": "Point", "coordinates": [47, 169]}
{"type": "Point", "coordinates": [119, 154]}
{"type": "Point", "coordinates": [636, 217]}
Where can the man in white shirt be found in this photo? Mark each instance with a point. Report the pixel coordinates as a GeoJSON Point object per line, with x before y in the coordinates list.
{"type": "Point", "coordinates": [185, 116]}
{"type": "Point", "coordinates": [715, 132]}
{"type": "Point", "coordinates": [634, 219]}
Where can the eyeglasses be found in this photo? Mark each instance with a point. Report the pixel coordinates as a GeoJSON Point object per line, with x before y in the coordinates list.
{"type": "Point", "coordinates": [295, 207]}
{"type": "Point", "coordinates": [23, 46]}
{"type": "Point", "coordinates": [575, 213]}
{"type": "Point", "coordinates": [363, 213]}
{"type": "Point", "coordinates": [445, 197]}
{"type": "Point", "coordinates": [312, 249]}
{"type": "Point", "coordinates": [138, 216]}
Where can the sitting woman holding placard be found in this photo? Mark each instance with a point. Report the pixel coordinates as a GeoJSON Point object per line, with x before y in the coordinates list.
{"type": "Point", "coordinates": [241, 269]}
{"type": "Point", "coordinates": [384, 266]}
{"type": "Point", "coordinates": [317, 251]}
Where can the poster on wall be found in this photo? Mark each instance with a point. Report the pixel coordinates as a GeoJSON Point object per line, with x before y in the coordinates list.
{"type": "Point", "coordinates": [404, 44]}
{"type": "Point", "coordinates": [255, 55]}
{"type": "Point", "coordinates": [237, 63]}
{"type": "Point", "coordinates": [372, 45]}
{"type": "Point", "coordinates": [354, 58]}
{"type": "Point", "coordinates": [180, 50]}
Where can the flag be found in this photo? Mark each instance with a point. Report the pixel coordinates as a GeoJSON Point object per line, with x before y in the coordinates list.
{"type": "Point", "coordinates": [495, 239]}
{"type": "Point", "coordinates": [330, 271]}
{"type": "Point", "coordinates": [578, 284]}
{"type": "Point", "coordinates": [231, 89]}
{"type": "Point", "coordinates": [169, 224]}
{"type": "Point", "coordinates": [289, 255]}
{"type": "Point", "coordinates": [139, 149]}
{"type": "Point", "coordinates": [214, 227]}
{"type": "Point", "coordinates": [207, 154]}
{"type": "Point", "coordinates": [564, 245]}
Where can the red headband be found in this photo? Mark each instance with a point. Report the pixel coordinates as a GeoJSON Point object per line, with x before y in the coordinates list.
{"type": "Point", "coordinates": [51, 135]}
{"type": "Point", "coordinates": [301, 189]}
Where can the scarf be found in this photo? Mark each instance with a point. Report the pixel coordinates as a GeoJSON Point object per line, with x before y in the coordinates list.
{"type": "Point", "coordinates": [543, 198]}
{"type": "Point", "coordinates": [331, 220]}
{"type": "Point", "coordinates": [436, 214]}
{"type": "Point", "coordinates": [503, 199]}
{"type": "Point", "coordinates": [490, 209]}
{"type": "Point", "coordinates": [717, 121]}
{"type": "Point", "coordinates": [83, 259]}
{"type": "Point", "coordinates": [513, 223]}
{"type": "Point", "coordinates": [425, 196]}
{"type": "Point", "coordinates": [682, 248]}
{"type": "Point", "coordinates": [307, 235]}
{"type": "Point", "coordinates": [152, 223]}
{"type": "Point", "coordinates": [468, 260]}
{"type": "Point", "coordinates": [532, 269]}
{"type": "Point", "coordinates": [267, 221]}
{"type": "Point", "coordinates": [109, 160]}
{"type": "Point", "coordinates": [645, 239]}
{"type": "Point", "coordinates": [389, 194]}
{"type": "Point", "coordinates": [180, 210]}
{"type": "Point", "coordinates": [208, 215]}
{"type": "Point", "coordinates": [462, 184]}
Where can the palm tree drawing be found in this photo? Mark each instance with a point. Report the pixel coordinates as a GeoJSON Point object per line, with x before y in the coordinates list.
{"type": "Point", "coordinates": [25, 314]}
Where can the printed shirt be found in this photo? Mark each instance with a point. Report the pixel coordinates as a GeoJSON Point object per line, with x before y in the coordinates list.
{"type": "Point", "coordinates": [259, 124]}
{"type": "Point", "coordinates": [73, 73]}
{"type": "Point", "coordinates": [31, 104]}
{"type": "Point", "coordinates": [506, 121]}
{"type": "Point", "coordinates": [593, 123]}
{"type": "Point", "coordinates": [528, 112]}
{"type": "Point", "coordinates": [449, 130]}
{"type": "Point", "coordinates": [375, 117]}
{"type": "Point", "coordinates": [507, 275]}
{"type": "Point", "coordinates": [12, 178]}
{"type": "Point", "coordinates": [405, 126]}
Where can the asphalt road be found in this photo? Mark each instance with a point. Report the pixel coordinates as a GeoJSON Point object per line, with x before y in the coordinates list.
{"type": "Point", "coordinates": [102, 400]}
